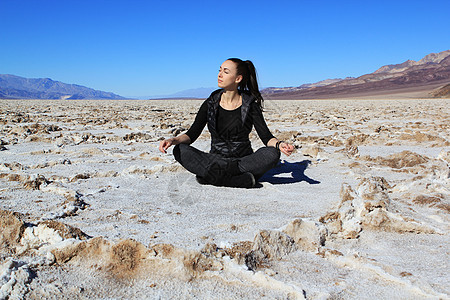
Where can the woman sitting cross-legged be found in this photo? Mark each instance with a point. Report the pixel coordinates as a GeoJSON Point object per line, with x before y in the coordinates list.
{"type": "Point", "coordinates": [230, 112]}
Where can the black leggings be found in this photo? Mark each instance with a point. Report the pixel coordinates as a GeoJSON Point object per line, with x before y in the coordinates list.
{"type": "Point", "coordinates": [199, 162]}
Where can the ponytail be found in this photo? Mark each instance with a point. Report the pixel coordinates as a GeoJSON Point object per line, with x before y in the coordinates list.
{"type": "Point", "coordinates": [249, 80]}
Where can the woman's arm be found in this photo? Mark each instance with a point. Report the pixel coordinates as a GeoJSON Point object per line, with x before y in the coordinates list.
{"type": "Point", "coordinates": [264, 132]}
{"type": "Point", "coordinates": [181, 139]}
{"type": "Point", "coordinates": [192, 134]}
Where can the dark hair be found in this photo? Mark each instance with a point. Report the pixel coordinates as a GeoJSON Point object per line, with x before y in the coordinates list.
{"type": "Point", "coordinates": [249, 81]}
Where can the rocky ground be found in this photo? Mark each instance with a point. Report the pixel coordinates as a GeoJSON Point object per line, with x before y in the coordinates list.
{"type": "Point", "coordinates": [89, 208]}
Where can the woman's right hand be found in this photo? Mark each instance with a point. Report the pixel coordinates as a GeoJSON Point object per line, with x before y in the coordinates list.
{"type": "Point", "coordinates": [165, 144]}
{"type": "Point", "coordinates": [181, 139]}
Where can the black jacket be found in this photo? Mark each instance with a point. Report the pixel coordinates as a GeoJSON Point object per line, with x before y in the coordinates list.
{"type": "Point", "coordinates": [237, 144]}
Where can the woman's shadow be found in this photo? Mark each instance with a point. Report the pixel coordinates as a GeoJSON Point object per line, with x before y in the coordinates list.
{"type": "Point", "coordinates": [292, 172]}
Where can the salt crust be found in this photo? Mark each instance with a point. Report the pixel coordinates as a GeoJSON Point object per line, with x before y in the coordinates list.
{"type": "Point", "coordinates": [402, 192]}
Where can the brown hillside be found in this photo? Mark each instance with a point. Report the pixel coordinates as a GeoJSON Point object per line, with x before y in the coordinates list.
{"type": "Point", "coordinates": [417, 79]}
{"type": "Point", "coordinates": [443, 92]}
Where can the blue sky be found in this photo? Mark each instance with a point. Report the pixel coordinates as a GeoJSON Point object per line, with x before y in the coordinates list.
{"type": "Point", "coordinates": [137, 48]}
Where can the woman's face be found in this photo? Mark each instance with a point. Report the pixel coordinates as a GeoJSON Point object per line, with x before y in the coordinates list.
{"type": "Point", "coordinates": [228, 78]}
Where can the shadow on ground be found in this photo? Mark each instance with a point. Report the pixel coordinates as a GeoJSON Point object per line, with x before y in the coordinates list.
{"type": "Point", "coordinates": [286, 172]}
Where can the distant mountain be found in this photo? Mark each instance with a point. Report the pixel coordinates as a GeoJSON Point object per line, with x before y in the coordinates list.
{"type": "Point", "coordinates": [201, 93]}
{"type": "Point", "coordinates": [433, 58]}
{"type": "Point", "coordinates": [15, 87]}
{"type": "Point", "coordinates": [278, 90]}
{"type": "Point", "coordinates": [423, 77]}
{"type": "Point", "coordinates": [195, 93]}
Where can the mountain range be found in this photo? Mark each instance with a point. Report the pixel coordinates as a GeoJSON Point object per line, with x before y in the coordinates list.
{"type": "Point", "coordinates": [428, 77]}
{"type": "Point", "coordinates": [15, 87]}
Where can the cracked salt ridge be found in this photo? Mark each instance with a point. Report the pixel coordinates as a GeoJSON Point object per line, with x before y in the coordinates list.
{"type": "Point", "coordinates": [46, 240]}
{"type": "Point", "coordinates": [48, 246]}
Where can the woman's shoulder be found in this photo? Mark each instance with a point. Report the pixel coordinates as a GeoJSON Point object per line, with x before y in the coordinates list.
{"type": "Point", "coordinates": [251, 102]}
{"type": "Point", "coordinates": [247, 97]}
{"type": "Point", "coordinates": [216, 94]}
{"type": "Point", "coordinates": [214, 98]}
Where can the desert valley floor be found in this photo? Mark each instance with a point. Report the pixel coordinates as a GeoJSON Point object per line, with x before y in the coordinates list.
{"type": "Point", "coordinates": [89, 208]}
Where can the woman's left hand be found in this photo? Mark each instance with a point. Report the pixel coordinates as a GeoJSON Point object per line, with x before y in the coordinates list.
{"type": "Point", "coordinates": [286, 148]}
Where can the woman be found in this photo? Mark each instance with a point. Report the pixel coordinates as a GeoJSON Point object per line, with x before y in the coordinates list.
{"type": "Point", "coordinates": [230, 113]}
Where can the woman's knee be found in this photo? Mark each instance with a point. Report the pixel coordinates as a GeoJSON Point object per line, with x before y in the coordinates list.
{"type": "Point", "coordinates": [177, 151]}
{"type": "Point", "coordinates": [268, 156]}
{"type": "Point", "coordinates": [272, 154]}
{"type": "Point", "coordinates": [186, 154]}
